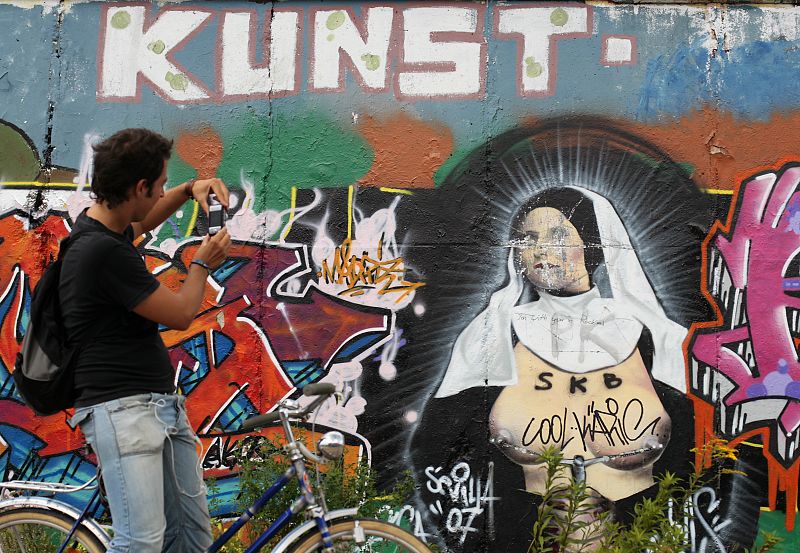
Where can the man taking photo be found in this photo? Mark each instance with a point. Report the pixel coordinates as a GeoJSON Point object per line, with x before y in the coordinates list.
{"type": "Point", "coordinates": [125, 384]}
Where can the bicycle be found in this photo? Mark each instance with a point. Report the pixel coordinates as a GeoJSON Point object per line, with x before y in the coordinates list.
{"type": "Point", "coordinates": [65, 529]}
{"type": "Point", "coordinates": [31, 523]}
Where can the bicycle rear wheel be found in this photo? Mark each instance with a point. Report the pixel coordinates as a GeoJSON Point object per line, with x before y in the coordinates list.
{"type": "Point", "coordinates": [362, 536]}
{"type": "Point", "coordinates": [35, 530]}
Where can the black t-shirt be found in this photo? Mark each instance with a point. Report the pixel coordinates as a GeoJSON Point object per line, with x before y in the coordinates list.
{"type": "Point", "coordinates": [103, 278]}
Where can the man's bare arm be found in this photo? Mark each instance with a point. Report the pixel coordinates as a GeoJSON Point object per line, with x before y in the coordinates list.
{"type": "Point", "coordinates": [166, 206]}
{"type": "Point", "coordinates": [178, 309]}
{"type": "Point", "coordinates": [176, 197]}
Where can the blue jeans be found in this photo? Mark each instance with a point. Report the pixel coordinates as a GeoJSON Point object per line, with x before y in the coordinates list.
{"type": "Point", "coordinates": [153, 479]}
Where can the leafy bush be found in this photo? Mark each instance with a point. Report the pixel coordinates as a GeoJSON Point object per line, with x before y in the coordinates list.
{"type": "Point", "coordinates": [570, 518]}
{"type": "Point", "coordinates": [343, 485]}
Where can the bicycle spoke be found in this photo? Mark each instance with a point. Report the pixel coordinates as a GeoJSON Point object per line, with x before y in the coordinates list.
{"type": "Point", "coordinates": [40, 532]}
{"type": "Point", "coordinates": [21, 536]}
{"type": "Point", "coordinates": [18, 539]}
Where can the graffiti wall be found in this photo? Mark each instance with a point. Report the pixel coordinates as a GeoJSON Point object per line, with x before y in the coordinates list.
{"type": "Point", "coordinates": [497, 227]}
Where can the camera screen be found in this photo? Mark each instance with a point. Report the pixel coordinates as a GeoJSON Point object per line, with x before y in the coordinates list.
{"type": "Point", "coordinates": [216, 216]}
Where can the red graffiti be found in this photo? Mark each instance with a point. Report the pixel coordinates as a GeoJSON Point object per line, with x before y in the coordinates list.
{"type": "Point", "coordinates": [266, 328]}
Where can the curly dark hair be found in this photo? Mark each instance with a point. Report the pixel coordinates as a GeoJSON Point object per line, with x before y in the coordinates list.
{"type": "Point", "coordinates": [123, 159]}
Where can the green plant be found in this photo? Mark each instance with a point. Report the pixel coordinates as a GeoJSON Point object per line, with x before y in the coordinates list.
{"type": "Point", "coordinates": [570, 514]}
{"type": "Point", "coordinates": [571, 519]}
{"type": "Point", "coordinates": [652, 529]}
{"type": "Point", "coordinates": [342, 484]}
{"type": "Point", "coordinates": [770, 542]}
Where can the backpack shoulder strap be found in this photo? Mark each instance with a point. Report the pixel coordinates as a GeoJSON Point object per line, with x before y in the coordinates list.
{"type": "Point", "coordinates": [69, 240]}
{"type": "Point", "coordinates": [62, 251]}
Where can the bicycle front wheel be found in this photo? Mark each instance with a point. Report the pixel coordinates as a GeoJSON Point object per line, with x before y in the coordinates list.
{"type": "Point", "coordinates": [35, 530]}
{"type": "Point", "coordinates": [362, 536]}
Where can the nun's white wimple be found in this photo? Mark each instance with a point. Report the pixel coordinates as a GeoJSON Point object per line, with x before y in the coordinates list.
{"type": "Point", "coordinates": [576, 333]}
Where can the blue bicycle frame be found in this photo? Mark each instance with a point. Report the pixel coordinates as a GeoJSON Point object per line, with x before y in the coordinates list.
{"type": "Point", "coordinates": [92, 501]}
{"type": "Point", "coordinates": [306, 501]}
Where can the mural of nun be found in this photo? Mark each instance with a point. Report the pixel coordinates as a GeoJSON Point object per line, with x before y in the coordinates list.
{"type": "Point", "coordinates": [558, 314]}
{"type": "Point", "coordinates": [565, 339]}
{"type": "Point", "coordinates": [562, 340]}
{"type": "Point", "coordinates": [568, 353]}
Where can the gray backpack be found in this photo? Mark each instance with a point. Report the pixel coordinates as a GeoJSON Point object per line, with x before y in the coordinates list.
{"type": "Point", "coordinates": [44, 371]}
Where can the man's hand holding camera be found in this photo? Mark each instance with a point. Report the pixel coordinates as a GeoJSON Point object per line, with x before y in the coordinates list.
{"type": "Point", "coordinates": [214, 249]}
{"type": "Point", "coordinates": [200, 190]}
{"type": "Point", "coordinates": [213, 196]}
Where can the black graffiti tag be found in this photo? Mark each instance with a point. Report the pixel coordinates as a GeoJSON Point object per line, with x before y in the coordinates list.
{"type": "Point", "coordinates": [548, 430]}
{"type": "Point", "coordinates": [616, 426]}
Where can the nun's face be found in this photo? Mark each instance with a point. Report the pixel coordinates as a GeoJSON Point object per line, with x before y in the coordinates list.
{"type": "Point", "coordinates": [552, 252]}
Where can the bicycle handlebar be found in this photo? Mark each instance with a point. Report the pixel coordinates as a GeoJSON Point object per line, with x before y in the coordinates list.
{"type": "Point", "coordinates": [322, 390]}
{"type": "Point", "coordinates": [319, 389]}
{"type": "Point", "coordinates": [260, 420]}
{"type": "Point", "coordinates": [578, 459]}
{"type": "Point", "coordinates": [577, 464]}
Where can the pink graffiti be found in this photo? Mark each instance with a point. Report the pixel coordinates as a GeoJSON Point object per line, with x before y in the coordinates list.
{"type": "Point", "coordinates": [761, 297]}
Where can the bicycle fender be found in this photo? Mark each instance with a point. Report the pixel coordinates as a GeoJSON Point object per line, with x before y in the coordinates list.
{"type": "Point", "coordinates": [54, 505]}
{"type": "Point", "coordinates": [290, 538]}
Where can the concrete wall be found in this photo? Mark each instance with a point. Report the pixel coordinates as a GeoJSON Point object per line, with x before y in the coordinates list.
{"type": "Point", "coordinates": [379, 155]}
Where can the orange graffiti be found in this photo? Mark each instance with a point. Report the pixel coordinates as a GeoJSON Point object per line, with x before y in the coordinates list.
{"type": "Point", "coordinates": [248, 371]}
{"type": "Point", "coordinates": [202, 149]}
{"type": "Point", "coordinates": [364, 273]}
{"type": "Point", "coordinates": [780, 478]}
{"type": "Point", "coordinates": [223, 451]}
{"type": "Point", "coordinates": [31, 251]}
{"type": "Point", "coordinates": [52, 430]}
{"type": "Point", "coordinates": [721, 147]}
{"type": "Point", "coordinates": [246, 366]}
{"type": "Point", "coordinates": [407, 151]}
{"type": "Point", "coordinates": [703, 432]}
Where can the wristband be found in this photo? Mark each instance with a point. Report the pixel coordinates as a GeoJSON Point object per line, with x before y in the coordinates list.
{"type": "Point", "coordinates": [202, 263]}
{"type": "Point", "coordinates": [188, 189]}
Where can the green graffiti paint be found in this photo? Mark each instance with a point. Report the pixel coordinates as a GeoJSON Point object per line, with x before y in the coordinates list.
{"type": "Point", "coordinates": [273, 156]}
{"type": "Point", "coordinates": [532, 67]}
{"type": "Point", "coordinates": [313, 151]}
{"type": "Point", "coordinates": [246, 154]}
{"type": "Point", "coordinates": [18, 160]}
{"type": "Point", "coordinates": [335, 20]}
{"type": "Point", "coordinates": [305, 151]}
{"type": "Point", "coordinates": [450, 164]}
{"type": "Point", "coordinates": [180, 82]}
{"type": "Point", "coordinates": [177, 81]}
{"type": "Point", "coordinates": [372, 61]}
{"type": "Point", "coordinates": [331, 37]}
{"type": "Point", "coordinates": [178, 172]}
{"type": "Point", "coordinates": [686, 167]}
{"type": "Point", "coordinates": [775, 522]}
{"type": "Point", "coordinates": [157, 46]}
{"type": "Point", "coordinates": [559, 17]}
{"type": "Point", "coordinates": [120, 19]}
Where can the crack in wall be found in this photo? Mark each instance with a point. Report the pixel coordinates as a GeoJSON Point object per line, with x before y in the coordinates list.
{"type": "Point", "coordinates": [261, 260]}
{"type": "Point", "coordinates": [53, 81]}
{"type": "Point", "coordinates": [270, 119]}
